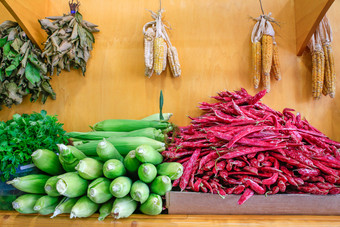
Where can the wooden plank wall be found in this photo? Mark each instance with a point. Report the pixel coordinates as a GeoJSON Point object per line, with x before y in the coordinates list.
{"type": "Point", "coordinates": [213, 41]}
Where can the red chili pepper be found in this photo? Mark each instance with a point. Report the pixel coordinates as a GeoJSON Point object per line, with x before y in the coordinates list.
{"type": "Point", "coordinates": [229, 191]}
{"type": "Point", "coordinates": [221, 192]}
{"type": "Point", "coordinates": [266, 164]}
{"type": "Point", "coordinates": [321, 179]}
{"type": "Point", "coordinates": [238, 189]}
{"type": "Point", "coordinates": [260, 157]}
{"type": "Point", "coordinates": [324, 185]}
{"type": "Point", "coordinates": [207, 185]}
{"type": "Point", "coordinates": [271, 180]}
{"type": "Point", "coordinates": [256, 187]}
{"type": "Point", "coordinates": [188, 169]}
{"type": "Point", "coordinates": [282, 186]}
{"type": "Point", "coordinates": [197, 184]}
{"type": "Point", "coordinates": [334, 191]}
{"type": "Point", "coordinates": [175, 183]}
{"type": "Point", "coordinates": [245, 196]}
{"type": "Point", "coordinates": [331, 179]}
{"type": "Point", "coordinates": [308, 172]}
{"type": "Point", "coordinates": [299, 181]}
{"type": "Point", "coordinates": [325, 168]}
{"type": "Point", "coordinates": [275, 190]}
{"type": "Point", "coordinates": [251, 169]}
{"type": "Point", "coordinates": [313, 190]}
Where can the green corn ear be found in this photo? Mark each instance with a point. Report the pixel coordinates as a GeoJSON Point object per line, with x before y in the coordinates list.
{"type": "Point", "coordinates": [83, 208]}
{"type": "Point", "coordinates": [146, 153]}
{"type": "Point", "coordinates": [65, 206]}
{"type": "Point", "coordinates": [125, 125]}
{"type": "Point", "coordinates": [46, 204]}
{"type": "Point", "coordinates": [69, 157]}
{"type": "Point", "coordinates": [50, 186]}
{"type": "Point", "coordinates": [174, 170]}
{"type": "Point", "coordinates": [107, 151]}
{"type": "Point", "coordinates": [89, 168]}
{"type": "Point", "coordinates": [131, 163]}
{"type": "Point", "coordinates": [71, 185]}
{"type": "Point", "coordinates": [33, 183]}
{"type": "Point", "coordinates": [161, 185]}
{"type": "Point", "coordinates": [99, 190]}
{"type": "Point", "coordinates": [123, 207]}
{"type": "Point", "coordinates": [139, 191]}
{"type": "Point", "coordinates": [147, 172]}
{"type": "Point", "coordinates": [123, 144]}
{"type": "Point", "coordinates": [152, 206]}
{"type": "Point", "coordinates": [25, 203]}
{"type": "Point", "coordinates": [47, 161]}
{"type": "Point", "coordinates": [105, 210]}
{"type": "Point", "coordinates": [155, 117]}
{"type": "Point", "coordinates": [113, 168]}
{"type": "Point", "coordinates": [120, 186]}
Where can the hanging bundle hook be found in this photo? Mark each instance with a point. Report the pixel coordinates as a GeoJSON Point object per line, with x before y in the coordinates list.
{"type": "Point", "coordinates": [74, 6]}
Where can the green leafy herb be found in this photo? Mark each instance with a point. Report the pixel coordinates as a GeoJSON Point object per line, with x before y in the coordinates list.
{"type": "Point", "coordinates": [22, 135]}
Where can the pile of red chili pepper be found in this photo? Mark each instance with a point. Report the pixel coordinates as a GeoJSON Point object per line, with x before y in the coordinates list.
{"type": "Point", "coordinates": [241, 146]}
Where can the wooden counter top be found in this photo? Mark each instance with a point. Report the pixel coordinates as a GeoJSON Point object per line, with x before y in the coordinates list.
{"type": "Point", "coordinates": [11, 218]}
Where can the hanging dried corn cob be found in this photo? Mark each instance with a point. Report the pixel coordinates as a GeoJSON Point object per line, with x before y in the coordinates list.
{"type": "Point", "coordinates": [265, 59]}
{"type": "Point", "coordinates": [323, 72]}
{"type": "Point", "coordinates": [69, 40]}
{"type": "Point", "coordinates": [158, 48]}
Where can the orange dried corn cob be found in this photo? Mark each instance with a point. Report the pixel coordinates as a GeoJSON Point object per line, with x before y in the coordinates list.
{"type": "Point", "coordinates": [327, 74]}
{"type": "Point", "coordinates": [276, 63]}
{"type": "Point", "coordinates": [159, 55]}
{"type": "Point", "coordinates": [256, 63]}
{"type": "Point", "coordinates": [332, 76]}
{"type": "Point", "coordinates": [267, 58]}
{"type": "Point", "coordinates": [318, 62]}
{"type": "Point", "coordinates": [175, 67]}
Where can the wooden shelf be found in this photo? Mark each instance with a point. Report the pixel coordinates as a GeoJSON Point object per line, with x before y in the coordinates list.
{"type": "Point", "coordinates": [14, 219]}
{"type": "Point", "coordinates": [308, 14]}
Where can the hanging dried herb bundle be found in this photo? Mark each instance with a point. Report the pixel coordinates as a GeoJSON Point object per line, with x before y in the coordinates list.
{"type": "Point", "coordinates": [323, 71]}
{"type": "Point", "coordinates": [157, 48]}
{"type": "Point", "coordinates": [22, 70]}
{"type": "Point", "coordinates": [265, 57]}
{"type": "Point", "coordinates": [69, 41]}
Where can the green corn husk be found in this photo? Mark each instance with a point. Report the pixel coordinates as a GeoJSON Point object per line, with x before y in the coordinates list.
{"type": "Point", "coordinates": [71, 185]}
{"type": "Point", "coordinates": [105, 210]}
{"type": "Point", "coordinates": [69, 157]}
{"type": "Point", "coordinates": [83, 208]}
{"type": "Point", "coordinates": [123, 144]}
{"type": "Point", "coordinates": [89, 168]}
{"type": "Point", "coordinates": [113, 168]}
{"type": "Point", "coordinates": [65, 206]}
{"type": "Point", "coordinates": [147, 172]}
{"type": "Point", "coordinates": [123, 207]}
{"type": "Point", "coordinates": [107, 151]}
{"type": "Point", "coordinates": [145, 153]}
{"type": "Point", "coordinates": [174, 170]}
{"type": "Point", "coordinates": [50, 186]}
{"type": "Point", "coordinates": [127, 125]}
{"type": "Point", "coordinates": [33, 183]}
{"type": "Point", "coordinates": [120, 186]}
{"type": "Point", "coordinates": [99, 190]}
{"type": "Point", "coordinates": [152, 206]}
{"type": "Point", "coordinates": [161, 185]}
{"type": "Point", "coordinates": [25, 203]}
{"type": "Point", "coordinates": [155, 117]}
{"type": "Point", "coordinates": [139, 191]}
{"type": "Point", "coordinates": [46, 204]}
{"type": "Point", "coordinates": [151, 133]}
{"type": "Point", "coordinates": [47, 161]}
{"type": "Point", "coordinates": [131, 163]}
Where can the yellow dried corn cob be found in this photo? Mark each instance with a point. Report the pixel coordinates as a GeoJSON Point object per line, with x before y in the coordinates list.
{"type": "Point", "coordinates": [267, 58]}
{"type": "Point", "coordinates": [158, 50]}
{"type": "Point", "coordinates": [276, 63]}
{"type": "Point", "coordinates": [332, 72]}
{"type": "Point", "coordinates": [149, 36]}
{"type": "Point", "coordinates": [175, 67]}
{"type": "Point", "coordinates": [256, 63]}
{"type": "Point", "coordinates": [164, 59]}
{"type": "Point", "coordinates": [318, 61]}
{"type": "Point", "coordinates": [327, 74]}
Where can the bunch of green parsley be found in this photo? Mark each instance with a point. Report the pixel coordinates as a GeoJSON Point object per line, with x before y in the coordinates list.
{"type": "Point", "coordinates": [22, 135]}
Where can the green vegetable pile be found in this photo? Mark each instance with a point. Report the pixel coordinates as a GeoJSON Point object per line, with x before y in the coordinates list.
{"type": "Point", "coordinates": [115, 178]}
{"type": "Point", "coordinates": [22, 135]}
{"type": "Point", "coordinates": [69, 42]}
{"type": "Point", "coordinates": [22, 70]}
